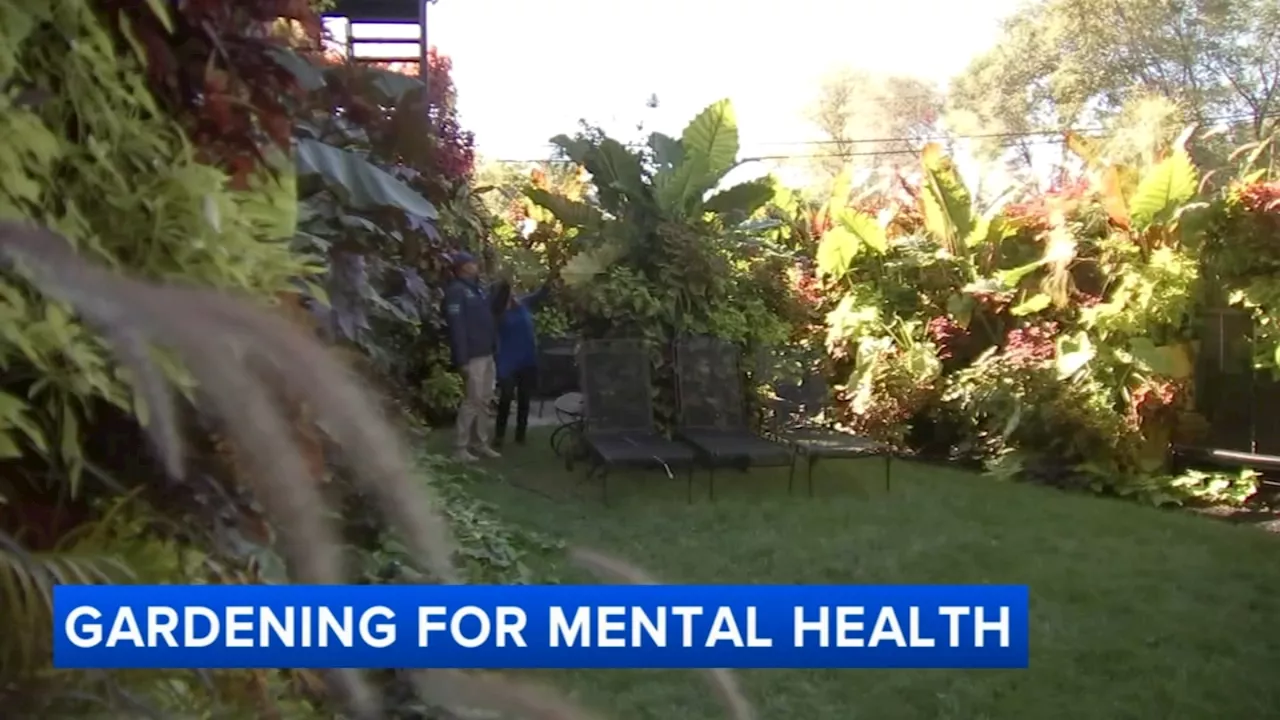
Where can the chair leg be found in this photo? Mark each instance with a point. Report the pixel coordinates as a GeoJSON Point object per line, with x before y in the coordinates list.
{"type": "Point", "coordinates": [813, 460]}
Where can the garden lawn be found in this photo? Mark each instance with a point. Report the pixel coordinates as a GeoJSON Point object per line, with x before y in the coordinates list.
{"type": "Point", "coordinates": [1135, 612]}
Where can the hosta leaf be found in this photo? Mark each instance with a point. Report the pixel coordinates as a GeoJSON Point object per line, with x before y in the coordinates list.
{"type": "Point", "coordinates": [713, 136]}
{"type": "Point", "coordinates": [362, 184]}
{"type": "Point", "coordinates": [1163, 188]}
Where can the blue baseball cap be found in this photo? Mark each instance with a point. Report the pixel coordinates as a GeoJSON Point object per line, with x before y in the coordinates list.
{"type": "Point", "coordinates": [462, 258]}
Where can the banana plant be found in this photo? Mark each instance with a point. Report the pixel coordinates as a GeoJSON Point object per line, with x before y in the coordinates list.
{"type": "Point", "coordinates": [670, 181]}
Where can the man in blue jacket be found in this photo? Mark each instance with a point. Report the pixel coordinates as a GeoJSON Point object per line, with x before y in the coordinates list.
{"type": "Point", "coordinates": [472, 343]}
{"type": "Point", "coordinates": [517, 358]}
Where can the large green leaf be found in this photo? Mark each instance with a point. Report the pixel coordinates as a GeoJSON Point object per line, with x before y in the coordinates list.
{"type": "Point", "coordinates": [614, 166]}
{"type": "Point", "coordinates": [675, 189]}
{"type": "Point", "coordinates": [667, 151]}
{"type": "Point", "coordinates": [713, 136]}
{"type": "Point", "coordinates": [1073, 354]}
{"type": "Point", "coordinates": [393, 85]}
{"type": "Point", "coordinates": [589, 263]}
{"type": "Point", "coordinates": [866, 228]}
{"type": "Point", "coordinates": [836, 251]}
{"type": "Point", "coordinates": [1032, 305]}
{"type": "Point", "coordinates": [745, 197]}
{"type": "Point", "coordinates": [1163, 189]}
{"type": "Point", "coordinates": [572, 213]}
{"type": "Point", "coordinates": [575, 149]}
{"type": "Point", "coordinates": [362, 184]}
{"type": "Point", "coordinates": [309, 76]}
{"type": "Point", "coordinates": [1172, 361]}
{"type": "Point", "coordinates": [948, 207]}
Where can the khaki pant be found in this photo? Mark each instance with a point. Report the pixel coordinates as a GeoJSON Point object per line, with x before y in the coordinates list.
{"type": "Point", "coordinates": [479, 375]}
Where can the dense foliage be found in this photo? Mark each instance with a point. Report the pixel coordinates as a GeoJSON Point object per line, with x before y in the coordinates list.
{"type": "Point", "coordinates": [1051, 338]}
{"type": "Point", "coordinates": [650, 251]}
{"type": "Point", "coordinates": [213, 145]}
{"type": "Point", "coordinates": [1046, 335]}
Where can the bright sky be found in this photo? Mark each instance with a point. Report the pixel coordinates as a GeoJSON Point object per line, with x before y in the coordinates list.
{"type": "Point", "coordinates": [526, 71]}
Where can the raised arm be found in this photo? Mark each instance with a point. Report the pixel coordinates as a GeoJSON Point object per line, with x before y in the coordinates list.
{"type": "Point", "coordinates": [534, 300]}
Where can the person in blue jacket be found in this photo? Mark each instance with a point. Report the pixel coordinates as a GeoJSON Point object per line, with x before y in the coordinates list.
{"type": "Point", "coordinates": [517, 359]}
{"type": "Point", "coordinates": [472, 342]}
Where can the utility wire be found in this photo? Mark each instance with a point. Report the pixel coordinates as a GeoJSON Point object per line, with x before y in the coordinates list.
{"type": "Point", "coordinates": [1045, 137]}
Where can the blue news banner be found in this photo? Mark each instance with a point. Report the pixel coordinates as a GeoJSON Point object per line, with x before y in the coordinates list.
{"type": "Point", "coordinates": [546, 626]}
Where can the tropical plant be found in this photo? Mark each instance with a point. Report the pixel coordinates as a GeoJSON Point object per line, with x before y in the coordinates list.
{"type": "Point", "coordinates": [1062, 323]}
{"type": "Point", "coordinates": [657, 253]}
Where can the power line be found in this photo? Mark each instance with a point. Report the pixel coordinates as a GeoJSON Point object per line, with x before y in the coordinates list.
{"type": "Point", "coordinates": [1019, 135]}
{"type": "Point", "coordinates": [1053, 137]}
{"type": "Point", "coordinates": [783, 156]}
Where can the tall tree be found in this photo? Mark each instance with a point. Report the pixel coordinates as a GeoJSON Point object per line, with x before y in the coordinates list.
{"type": "Point", "coordinates": [1070, 62]}
{"type": "Point", "coordinates": [871, 121]}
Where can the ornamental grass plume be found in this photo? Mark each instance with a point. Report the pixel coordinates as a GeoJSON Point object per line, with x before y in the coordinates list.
{"type": "Point", "coordinates": [249, 364]}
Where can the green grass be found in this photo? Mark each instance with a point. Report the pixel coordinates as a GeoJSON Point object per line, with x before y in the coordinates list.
{"type": "Point", "coordinates": [1135, 612]}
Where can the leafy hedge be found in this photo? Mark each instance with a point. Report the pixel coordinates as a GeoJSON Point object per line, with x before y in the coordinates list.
{"type": "Point", "coordinates": [1046, 335]}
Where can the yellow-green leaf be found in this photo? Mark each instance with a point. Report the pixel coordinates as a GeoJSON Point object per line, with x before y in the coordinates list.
{"type": "Point", "coordinates": [866, 228]}
{"type": "Point", "coordinates": [1163, 188]}
{"type": "Point", "coordinates": [1033, 304]}
{"type": "Point", "coordinates": [713, 136]}
{"type": "Point", "coordinates": [571, 213]}
{"type": "Point", "coordinates": [589, 263]}
{"type": "Point", "coordinates": [836, 251]}
{"type": "Point", "coordinates": [745, 197]}
{"type": "Point", "coordinates": [947, 205]}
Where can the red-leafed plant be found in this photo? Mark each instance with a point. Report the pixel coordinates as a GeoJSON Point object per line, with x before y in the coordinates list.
{"type": "Point", "coordinates": [214, 69]}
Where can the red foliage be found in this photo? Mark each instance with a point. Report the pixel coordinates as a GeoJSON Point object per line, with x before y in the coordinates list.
{"type": "Point", "coordinates": [215, 72]}
{"type": "Point", "coordinates": [421, 131]}
{"type": "Point", "coordinates": [947, 335]}
{"type": "Point", "coordinates": [1032, 345]}
{"type": "Point", "coordinates": [805, 285]}
{"type": "Point", "coordinates": [1153, 401]}
{"type": "Point", "coordinates": [1034, 212]}
{"type": "Point", "coordinates": [1260, 197]}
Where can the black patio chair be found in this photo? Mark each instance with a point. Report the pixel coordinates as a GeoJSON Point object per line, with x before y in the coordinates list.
{"type": "Point", "coordinates": [712, 410]}
{"type": "Point", "coordinates": [557, 369]}
{"type": "Point", "coordinates": [800, 412]}
{"type": "Point", "coordinates": [617, 427]}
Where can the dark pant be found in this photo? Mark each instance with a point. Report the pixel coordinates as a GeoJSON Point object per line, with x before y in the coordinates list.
{"type": "Point", "coordinates": [519, 385]}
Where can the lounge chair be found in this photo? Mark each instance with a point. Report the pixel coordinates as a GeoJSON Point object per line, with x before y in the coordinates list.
{"type": "Point", "coordinates": [617, 427]}
{"type": "Point", "coordinates": [801, 419]}
{"type": "Point", "coordinates": [712, 411]}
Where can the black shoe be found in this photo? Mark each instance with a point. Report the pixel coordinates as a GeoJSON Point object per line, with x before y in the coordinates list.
{"type": "Point", "coordinates": [520, 439]}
